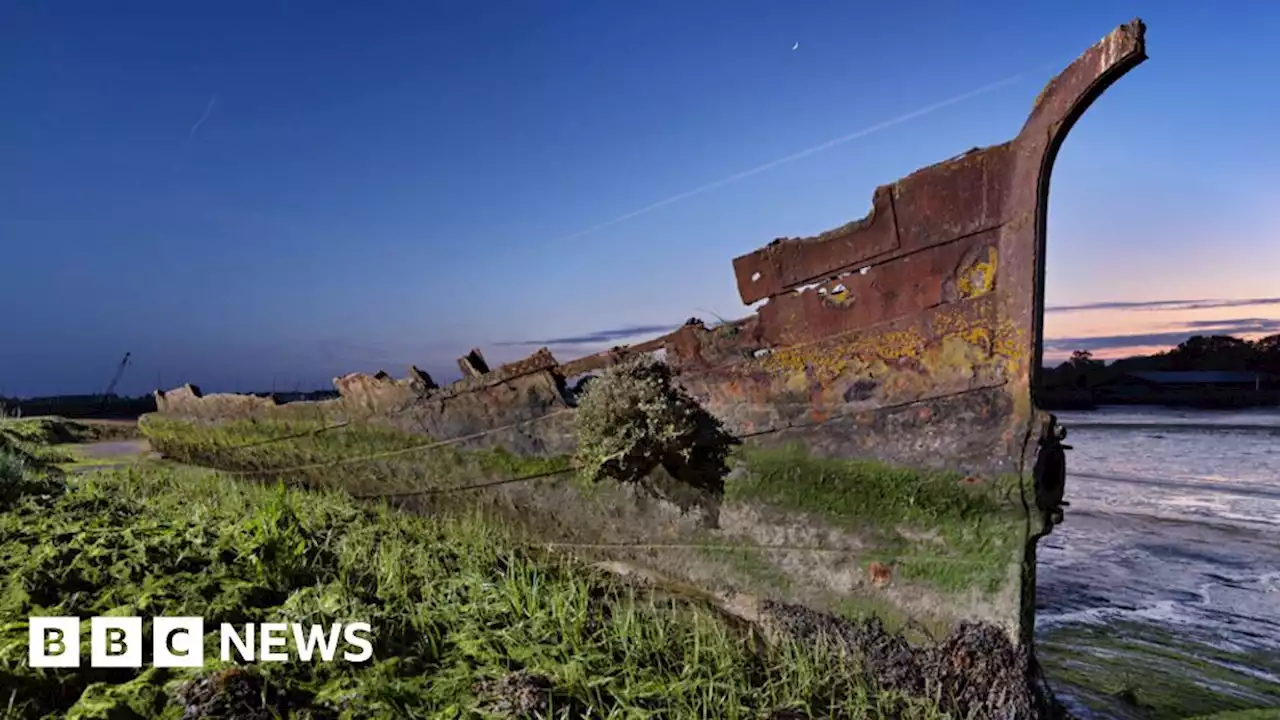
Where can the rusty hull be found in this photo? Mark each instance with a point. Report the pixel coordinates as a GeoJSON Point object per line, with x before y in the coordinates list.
{"type": "Point", "coordinates": [932, 301]}
{"type": "Point", "coordinates": [911, 336]}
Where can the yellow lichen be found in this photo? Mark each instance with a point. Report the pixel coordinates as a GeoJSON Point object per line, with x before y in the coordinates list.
{"type": "Point", "coordinates": [797, 382]}
{"type": "Point", "coordinates": [957, 344]}
{"type": "Point", "coordinates": [979, 278]}
{"type": "Point", "coordinates": [958, 354]}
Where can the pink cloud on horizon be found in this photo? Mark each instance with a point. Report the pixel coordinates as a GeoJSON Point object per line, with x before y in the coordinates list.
{"type": "Point", "coordinates": [1114, 333]}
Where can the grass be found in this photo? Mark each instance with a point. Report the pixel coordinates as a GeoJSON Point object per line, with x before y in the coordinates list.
{"type": "Point", "coordinates": [52, 430]}
{"type": "Point", "coordinates": [934, 527]}
{"type": "Point", "coordinates": [33, 439]}
{"type": "Point", "coordinates": [456, 603]}
{"type": "Point", "coordinates": [57, 440]}
{"type": "Point", "coordinates": [69, 459]}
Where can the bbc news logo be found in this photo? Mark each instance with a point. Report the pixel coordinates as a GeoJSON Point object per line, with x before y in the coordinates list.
{"type": "Point", "coordinates": [54, 642]}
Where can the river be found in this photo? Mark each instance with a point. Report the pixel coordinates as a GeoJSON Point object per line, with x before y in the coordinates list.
{"type": "Point", "coordinates": [1159, 596]}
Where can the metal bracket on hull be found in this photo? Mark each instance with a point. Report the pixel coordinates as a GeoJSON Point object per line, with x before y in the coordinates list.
{"type": "Point", "coordinates": [1050, 473]}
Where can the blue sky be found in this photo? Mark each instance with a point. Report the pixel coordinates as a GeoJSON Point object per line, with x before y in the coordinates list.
{"type": "Point", "coordinates": [257, 194]}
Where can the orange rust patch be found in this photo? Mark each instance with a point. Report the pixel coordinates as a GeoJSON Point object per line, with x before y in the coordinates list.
{"type": "Point", "coordinates": [879, 573]}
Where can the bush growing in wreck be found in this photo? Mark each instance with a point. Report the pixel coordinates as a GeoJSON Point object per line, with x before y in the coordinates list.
{"type": "Point", "coordinates": [633, 419]}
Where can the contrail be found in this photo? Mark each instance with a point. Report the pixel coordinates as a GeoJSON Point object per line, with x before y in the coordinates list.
{"type": "Point", "coordinates": [805, 153]}
{"type": "Point", "coordinates": [208, 109]}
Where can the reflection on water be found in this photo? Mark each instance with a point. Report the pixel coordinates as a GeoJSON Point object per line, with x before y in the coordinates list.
{"type": "Point", "coordinates": [1165, 578]}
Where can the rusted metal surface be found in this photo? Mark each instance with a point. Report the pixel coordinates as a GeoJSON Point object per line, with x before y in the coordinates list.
{"type": "Point", "coordinates": [935, 293]}
{"type": "Point", "coordinates": [789, 262]}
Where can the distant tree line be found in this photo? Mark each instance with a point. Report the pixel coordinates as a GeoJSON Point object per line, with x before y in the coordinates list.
{"type": "Point", "coordinates": [1201, 352]}
{"type": "Point", "coordinates": [79, 406]}
{"type": "Point", "coordinates": [1084, 381]}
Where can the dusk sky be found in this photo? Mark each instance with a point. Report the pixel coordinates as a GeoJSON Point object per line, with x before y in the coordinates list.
{"type": "Point", "coordinates": [248, 195]}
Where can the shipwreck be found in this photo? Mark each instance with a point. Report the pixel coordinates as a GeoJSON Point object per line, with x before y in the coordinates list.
{"type": "Point", "coordinates": [907, 342]}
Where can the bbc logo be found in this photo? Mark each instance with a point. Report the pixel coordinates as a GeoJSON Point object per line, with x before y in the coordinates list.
{"type": "Point", "coordinates": [54, 642]}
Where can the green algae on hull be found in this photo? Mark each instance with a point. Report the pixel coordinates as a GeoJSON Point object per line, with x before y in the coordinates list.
{"type": "Point", "coordinates": [1146, 672]}
{"type": "Point", "coordinates": [940, 528]}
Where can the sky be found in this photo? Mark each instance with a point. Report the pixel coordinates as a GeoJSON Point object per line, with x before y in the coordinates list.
{"type": "Point", "coordinates": [263, 195]}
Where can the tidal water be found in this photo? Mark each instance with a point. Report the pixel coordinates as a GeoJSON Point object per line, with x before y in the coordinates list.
{"type": "Point", "coordinates": [1159, 596]}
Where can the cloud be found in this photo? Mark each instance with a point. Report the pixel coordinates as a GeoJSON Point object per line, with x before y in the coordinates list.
{"type": "Point", "coordinates": [1107, 342]}
{"type": "Point", "coordinates": [1238, 326]}
{"type": "Point", "coordinates": [1168, 339]}
{"type": "Point", "coordinates": [599, 336]}
{"type": "Point", "coordinates": [1164, 305]}
{"type": "Point", "coordinates": [205, 116]}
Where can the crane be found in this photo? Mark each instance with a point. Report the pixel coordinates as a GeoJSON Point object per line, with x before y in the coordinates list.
{"type": "Point", "coordinates": [111, 388]}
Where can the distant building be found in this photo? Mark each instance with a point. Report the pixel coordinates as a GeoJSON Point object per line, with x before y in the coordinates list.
{"type": "Point", "coordinates": [1243, 380]}
{"type": "Point", "coordinates": [1208, 388]}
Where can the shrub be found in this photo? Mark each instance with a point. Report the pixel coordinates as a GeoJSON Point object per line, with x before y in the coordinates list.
{"type": "Point", "coordinates": [634, 418]}
{"type": "Point", "coordinates": [13, 476]}
{"type": "Point", "coordinates": [19, 477]}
